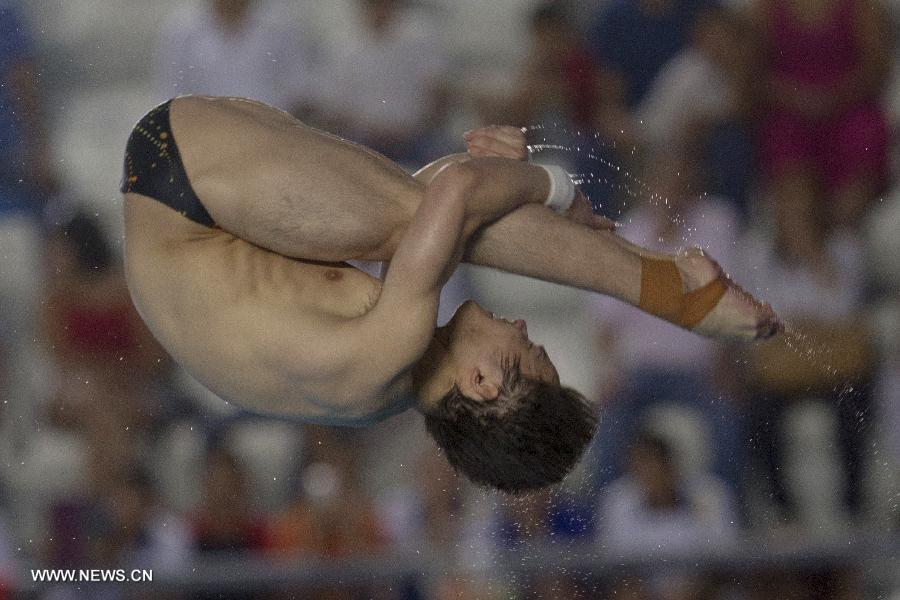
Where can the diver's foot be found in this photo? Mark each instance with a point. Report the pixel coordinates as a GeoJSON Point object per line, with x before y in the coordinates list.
{"type": "Point", "coordinates": [737, 315]}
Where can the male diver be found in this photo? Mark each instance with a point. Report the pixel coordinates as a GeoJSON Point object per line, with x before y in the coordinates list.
{"type": "Point", "coordinates": [238, 220]}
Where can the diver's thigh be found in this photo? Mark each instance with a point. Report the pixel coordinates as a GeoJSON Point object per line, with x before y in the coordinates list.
{"type": "Point", "coordinates": [277, 183]}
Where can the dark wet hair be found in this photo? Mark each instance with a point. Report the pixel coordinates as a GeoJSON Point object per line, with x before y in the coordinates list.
{"type": "Point", "coordinates": [529, 437]}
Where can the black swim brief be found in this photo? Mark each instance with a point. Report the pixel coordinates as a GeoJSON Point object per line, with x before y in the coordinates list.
{"type": "Point", "coordinates": [153, 167]}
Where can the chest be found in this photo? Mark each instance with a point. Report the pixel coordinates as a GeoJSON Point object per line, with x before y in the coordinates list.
{"type": "Point", "coordinates": [333, 289]}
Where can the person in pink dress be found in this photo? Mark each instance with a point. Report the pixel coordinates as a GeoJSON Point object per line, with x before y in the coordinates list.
{"type": "Point", "coordinates": [823, 133]}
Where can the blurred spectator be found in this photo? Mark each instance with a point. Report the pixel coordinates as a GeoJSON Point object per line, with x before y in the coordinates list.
{"type": "Point", "coordinates": [95, 335]}
{"type": "Point", "coordinates": [25, 178]}
{"type": "Point", "coordinates": [331, 516]}
{"type": "Point", "coordinates": [699, 103]}
{"type": "Point", "coordinates": [633, 39]}
{"type": "Point", "coordinates": [442, 494]}
{"type": "Point", "coordinates": [883, 243]}
{"type": "Point", "coordinates": [544, 515]}
{"type": "Point", "coordinates": [630, 40]}
{"type": "Point", "coordinates": [151, 536]}
{"type": "Point", "coordinates": [89, 318]}
{"type": "Point", "coordinates": [888, 395]}
{"type": "Point", "coordinates": [653, 362]}
{"type": "Point", "coordinates": [559, 82]}
{"type": "Point", "coordinates": [235, 48]}
{"type": "Point", "coordinates": [24, 152]}
{"type": "Point", "coordinates": [124, 525]}
{"type": "Point", "coordinates": [559, 585]}
{"type": "Point", "coordinates": [79, 521]}
{"type": "Point", "coordinates": [826, 354]}
{"type": "Point", "coordinates": [225, 522]}
{"type": "Point", "coordinates": [552, 517]}
{"type": "Point", "coordinates": [628, 587]}
{"type": "Point", "coordinates": [382, 84]}
{"type": "Point", "coordinates": [654, 507]}
{"type": "Point", "coordinates": [823, 134]}
{"type": "Point", "coordinates": [225, 519]}
{"type": "Point", "coordinates": [423, 512]}
{"type": "Point", "coordinates": [7, 563]}
{"type": "Point", "coordinates": [655, 510]}
{"type": "Point", "coordinates": [828, 582]}
{"type": "Point", "coordinates": [560, 88]}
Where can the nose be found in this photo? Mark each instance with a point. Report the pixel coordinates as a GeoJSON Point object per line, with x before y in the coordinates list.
{"type": "Point", "coordinates": [521, 326]}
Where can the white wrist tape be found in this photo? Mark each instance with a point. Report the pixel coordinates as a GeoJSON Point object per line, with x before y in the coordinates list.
{"type": "Point", "coordinates": [562, 189]}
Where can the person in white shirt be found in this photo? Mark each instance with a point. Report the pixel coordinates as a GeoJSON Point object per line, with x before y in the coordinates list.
{"type": "Point", "coordinates": [238, 48]}
{"type": "Point", "coordinates": [380, 82]}
{"type": "Point", "coordinates": [827, 355]}
{"type": "Point", "coordinates": [700, 102]}
{"type": "Point", "coordinates": [651, 362]}
{"type": "Point", "coordinates": [655, 510]}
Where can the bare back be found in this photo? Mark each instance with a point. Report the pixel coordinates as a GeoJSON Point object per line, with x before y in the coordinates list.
{"type": "Point", "coordinates": [224, 305]}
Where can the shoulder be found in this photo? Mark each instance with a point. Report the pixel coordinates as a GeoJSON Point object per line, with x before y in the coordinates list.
{"type": "Point", "coordinates": [389, 340]}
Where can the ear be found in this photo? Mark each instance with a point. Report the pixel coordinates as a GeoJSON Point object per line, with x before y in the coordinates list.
{"type": "Point", "coordinates": [482, 386]}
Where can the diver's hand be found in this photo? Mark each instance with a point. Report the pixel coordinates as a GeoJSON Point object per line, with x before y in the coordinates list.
{"type": "Point", "coordinates": [501, 141]}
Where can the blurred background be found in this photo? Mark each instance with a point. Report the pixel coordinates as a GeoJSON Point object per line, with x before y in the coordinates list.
{"type": "Point", "coordinates": [760, 129]}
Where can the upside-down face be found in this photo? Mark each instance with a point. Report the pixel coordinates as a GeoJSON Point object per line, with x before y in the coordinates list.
{"type": "Point", "coordinates": [483, 345]}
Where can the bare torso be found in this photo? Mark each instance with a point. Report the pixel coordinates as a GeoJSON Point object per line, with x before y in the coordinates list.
{"type": "Point", "coordinates": [223, 306]}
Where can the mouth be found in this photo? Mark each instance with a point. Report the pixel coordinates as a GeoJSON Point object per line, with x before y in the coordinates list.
{"type": "Point", "coordinates": [522, 326]}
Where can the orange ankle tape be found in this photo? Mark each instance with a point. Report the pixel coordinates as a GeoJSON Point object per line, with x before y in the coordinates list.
{"type": "Point", "coordinates": [661, 289]}
{"type": "Point", "coordinates": [698, 303]}
{"type": "Point", "coordinates": [662, 294]}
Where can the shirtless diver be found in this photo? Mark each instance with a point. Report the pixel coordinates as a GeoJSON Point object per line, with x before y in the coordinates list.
{"type": "Point", "coordinates": [238, 220]}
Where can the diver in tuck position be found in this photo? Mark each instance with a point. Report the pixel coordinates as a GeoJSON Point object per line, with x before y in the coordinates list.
{"type": "Point", "coordinates": [235, 238]}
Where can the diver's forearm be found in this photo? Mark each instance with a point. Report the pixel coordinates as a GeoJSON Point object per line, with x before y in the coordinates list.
{"type": "Point", "coordinates": [427, 173]}
{"type": "Point", "coordinates": [534, 241]}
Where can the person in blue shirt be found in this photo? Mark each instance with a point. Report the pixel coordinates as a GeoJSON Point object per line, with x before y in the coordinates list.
{"type": "Point", "coordinates": [633, 39]}
{"type": "Point", "coordinates": [24, 163]}
{"type": "Point", "coordinates": [24, 180]}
